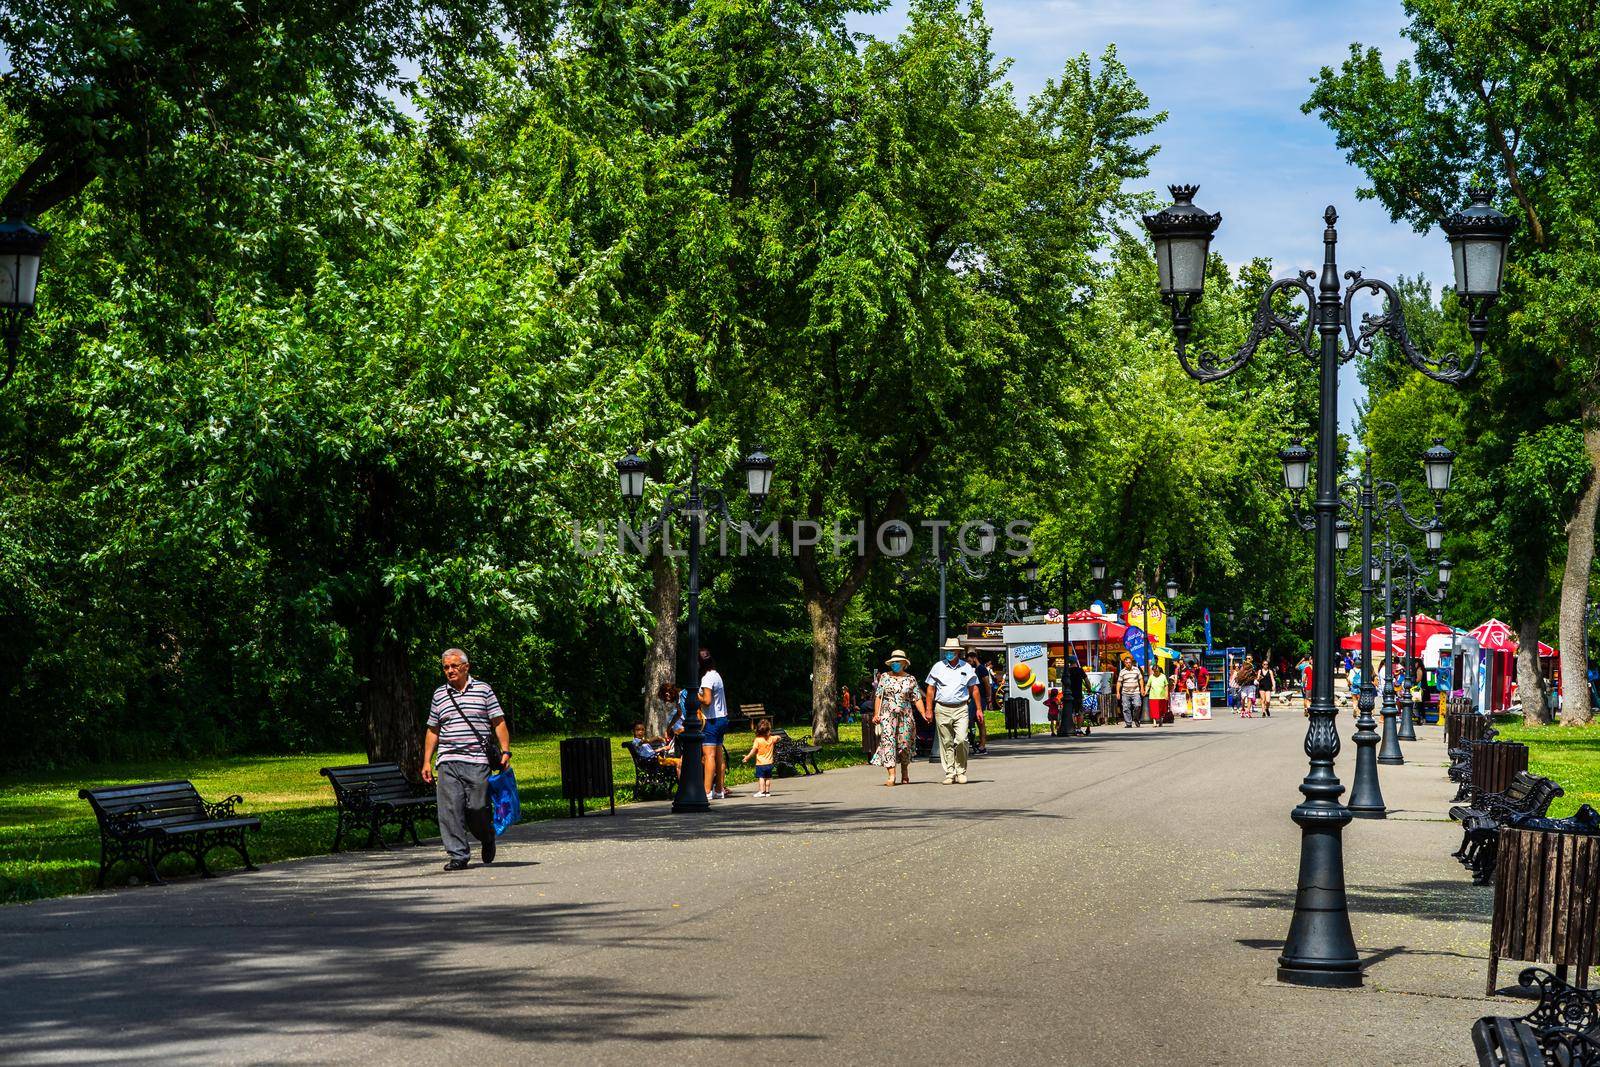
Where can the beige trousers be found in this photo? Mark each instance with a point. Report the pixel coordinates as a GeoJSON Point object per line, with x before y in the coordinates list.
{"type": "Point", "coordinates": [951, 721]}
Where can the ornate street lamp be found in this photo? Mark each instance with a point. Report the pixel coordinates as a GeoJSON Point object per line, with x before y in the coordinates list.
{"type": "Point", "coordinates": [1341, 536]}
{"type": "Point", "coordinates": [692, 506]}
{"type": "Point", "coordinates": [1370, 501]}
{"type": "Point", "coordinates": [1438, 462]}
{"type": "Point", "coordinates": [1172, 589]}
{"type": "Point", "coordinates": [1320, 949]}
{"type": "Point", "coordinates": [898, 543]}
{"type": "Point", "coordinates": [1117, 589]}
{"type": "Point", "coordinates": [21, 248]}
{"type": "Point", "coordinates": [1097, 569]}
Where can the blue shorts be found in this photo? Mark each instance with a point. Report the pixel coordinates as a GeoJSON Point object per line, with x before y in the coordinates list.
{"type": "Point", "coordinates": [715, 731]}
{"type": "Point", "coordinates": [764, 770]}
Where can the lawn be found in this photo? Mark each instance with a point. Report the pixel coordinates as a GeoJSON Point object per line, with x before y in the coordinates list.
{"type": "Point", "coordinates": [49, 844]}
{"type": "Point", "coordinates": [1568, 754]}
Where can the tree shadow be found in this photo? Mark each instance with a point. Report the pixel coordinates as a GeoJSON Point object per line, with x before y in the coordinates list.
{"type": "Point", "coordinates": [1443, 901]}
{"type": "Point", "coordinates": [182, 974]}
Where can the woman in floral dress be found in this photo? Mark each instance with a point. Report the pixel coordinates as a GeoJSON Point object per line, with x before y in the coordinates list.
{"type": "Point", "coordinates": [898, 694]}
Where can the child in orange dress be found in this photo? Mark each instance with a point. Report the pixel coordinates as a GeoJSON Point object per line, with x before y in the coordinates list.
{"type": "Point", "coordinates": [761, 752]}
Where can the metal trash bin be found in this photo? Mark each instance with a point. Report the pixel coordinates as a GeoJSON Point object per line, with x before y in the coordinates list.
{"type": "Point", "coordinates": [586, 772]}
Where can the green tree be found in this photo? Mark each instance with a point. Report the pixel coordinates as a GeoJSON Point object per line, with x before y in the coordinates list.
{"type": "Point", "coordinates": [1499, 91]}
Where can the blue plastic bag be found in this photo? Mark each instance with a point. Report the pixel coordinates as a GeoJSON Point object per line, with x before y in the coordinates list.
{"type": "Point", "coordinates": [504, 800]}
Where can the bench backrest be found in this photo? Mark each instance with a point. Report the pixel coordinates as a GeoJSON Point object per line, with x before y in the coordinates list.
{"type": "Point", "coordinates": [1520, 789]}
{"type": "Point", "coordinates": [752, 709]}
{"type": "Point", "coordinates": [632, 746]}
{"type": "Point", "coordinates": [159, 803]}
{"type": "Point", "coordinates": [1544, 792]}
{"type": "Point", "coordinates": [375, 781]}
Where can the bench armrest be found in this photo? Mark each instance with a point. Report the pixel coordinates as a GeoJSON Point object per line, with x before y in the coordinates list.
{"type": "Point", "coordinates": [125, 824]}
{"type": "Point", "coordinates": [222, 809]}
{"type": "Point", "coordinates": [1560, 1005]}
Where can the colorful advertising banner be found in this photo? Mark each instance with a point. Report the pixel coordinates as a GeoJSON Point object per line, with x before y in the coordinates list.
{"type": "Point", "coordinates": [1149, 614]}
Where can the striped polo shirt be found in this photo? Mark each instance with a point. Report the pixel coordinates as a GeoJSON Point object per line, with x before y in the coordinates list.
{"type": "Point", "coordinates": [457, 741]}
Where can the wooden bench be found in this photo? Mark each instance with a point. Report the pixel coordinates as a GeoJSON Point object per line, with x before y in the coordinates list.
{"type": "Point", "coordinates": [145, 823]}
{"type": "Point", "coordinates": [753, 713]}
{"type": "Point", "coordinates": [651, 777]}
{"type": "Point", "coordinates": [796, 755]}
{"type": "Point", "coordinates": [1563, 1029]}
{"type": "Point", "coordinates": [1527, 795]}
{"type": "Point", "coordinates": [376, 795]}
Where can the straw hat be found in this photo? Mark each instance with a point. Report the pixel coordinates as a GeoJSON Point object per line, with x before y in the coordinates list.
{"type": "Point", "coordinates": [897, 654]}
{"type": "Point", "coordinates": [952, 644]}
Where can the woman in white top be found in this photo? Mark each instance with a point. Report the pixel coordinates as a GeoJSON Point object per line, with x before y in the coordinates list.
{"type": "Point", "coordinates": [714, 708]}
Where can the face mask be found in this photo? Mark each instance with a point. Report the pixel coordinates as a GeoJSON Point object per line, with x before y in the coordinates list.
{"type": "Point", "coordinates": [895, 666]}
{"type": "Point", "coordinates": [949, 657]}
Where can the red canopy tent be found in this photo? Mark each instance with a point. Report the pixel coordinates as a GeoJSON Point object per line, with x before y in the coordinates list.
{"type": "Point", "coordinates": [1404, 642]}
{"type": "Point", "coordinates": [1499, 642]}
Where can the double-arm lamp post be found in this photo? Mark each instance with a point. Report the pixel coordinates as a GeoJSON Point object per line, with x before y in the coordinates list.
{"type": "Point", "coordinates": [897, 539]}
{"type": "Point", "coordinates": [1411, 575]}
{"type": "Point", "coordinates": [1367, 501]}
{"type": "Point", "coordinates": [1320, 949]}
{"type": "Point", "coordinates": [690, 505]}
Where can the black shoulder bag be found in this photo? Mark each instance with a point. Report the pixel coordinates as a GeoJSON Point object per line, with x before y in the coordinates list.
{"type": "Point", "coordinates": [491, 744]}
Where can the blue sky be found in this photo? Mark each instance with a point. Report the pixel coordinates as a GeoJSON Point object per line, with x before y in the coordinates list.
{"type": "Point", "coordinates": [1232, 77]}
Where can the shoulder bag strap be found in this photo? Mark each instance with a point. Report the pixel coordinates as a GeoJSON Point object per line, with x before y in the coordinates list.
{"type": "Point", "coordinates": [449, 691]}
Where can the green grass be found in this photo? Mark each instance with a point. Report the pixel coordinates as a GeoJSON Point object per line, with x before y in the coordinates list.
{"type": "Point", "coordinates": [49, 844]}
{"type": "Point", "coordinates": [1568, 754]}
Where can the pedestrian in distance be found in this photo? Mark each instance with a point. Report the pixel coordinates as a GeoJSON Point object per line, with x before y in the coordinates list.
{"type": "Point", "coordinates": [1267, 684]}
{"type": "Point", "coordinates": [952, 686]}
{"type": "Point", "coordinates": [1246, 679]}
{"type": "Point", "coordinates": [983, 700]}
{"type": "Point", "coordinates": [1159, 688]}
{"type": "Point", "coordinates": [762, 752]}
{"type": "Point", "coordinates": [714, 706]}
{"type": "Point", "coordinates": [897, 700]}
{"type": "Point", "coordinates": [1074, 680]}
{"type": "Point", "coordinates": [463, 715]}
{"type": "Point", "coordinates": [676, 700]}
{"type": "Point", "coordinates": [1129, 692]}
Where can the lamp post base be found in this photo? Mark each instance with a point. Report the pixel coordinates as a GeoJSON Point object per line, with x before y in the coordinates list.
{"type": "Point", "coordinates": [1320, 949]}
{"type": "Point", "coordinates": [1389, 754]}
{"type": "Point", "coordinates": [691, 795]}
{"type": "Point", "coordinates": [1408, 728]}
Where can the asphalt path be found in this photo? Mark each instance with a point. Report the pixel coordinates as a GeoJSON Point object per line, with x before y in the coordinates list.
{"type": "Point", "coordinates": [1114, 899]}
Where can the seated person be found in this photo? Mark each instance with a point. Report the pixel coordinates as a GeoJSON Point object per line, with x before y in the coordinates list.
{"type": "Point", "coordinates": [652, 751]}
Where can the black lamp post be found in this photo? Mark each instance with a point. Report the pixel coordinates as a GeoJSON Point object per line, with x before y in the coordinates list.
{"type": "Point", "coordinates": [1412, 584]}
{"type": "Point", "coordinates": [1320, 949]}
{"type": "Point", "coordinates": [691, 505]}
{"type": "Point", "coordinates": [21, 248]}
{"type": "Point", "coordinates": [1374, 500]}
{"type": "Point", "coordinates": [898, 540]}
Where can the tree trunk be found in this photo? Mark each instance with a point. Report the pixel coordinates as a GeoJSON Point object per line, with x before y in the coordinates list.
{"type": "Point", "coordinates": [388, 701]}
{"type": "Point", "coordinates": [825, 618]}
{"type": "Point", "coordinates": [1575, 707]}
{"type": "Point", "coordinates": [1530, 683]}
{"type": "Point", "coordinates": [661, 658]}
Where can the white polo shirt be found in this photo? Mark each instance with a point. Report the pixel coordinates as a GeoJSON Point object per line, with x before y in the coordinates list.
{"type": "Point", "coordinates": [951, 681]}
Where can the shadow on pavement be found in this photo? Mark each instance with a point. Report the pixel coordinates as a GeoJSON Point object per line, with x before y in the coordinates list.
{"type": "Point", "coordinates": [1438, 900]}
{"type": "Point", "coordinates": [193, 973]}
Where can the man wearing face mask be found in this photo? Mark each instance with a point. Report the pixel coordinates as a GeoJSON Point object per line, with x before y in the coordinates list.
{"type": "Point", "coordinates": [952, 683]}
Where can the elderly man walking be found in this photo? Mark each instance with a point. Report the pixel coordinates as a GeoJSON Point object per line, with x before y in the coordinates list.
{"type": "Point", "coordinates": [463, 717]}
{"type": "Point", "coordinates": [952, 683]}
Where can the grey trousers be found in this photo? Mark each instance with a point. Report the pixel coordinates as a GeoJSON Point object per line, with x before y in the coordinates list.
{"type": "Point", "coordinates": [463, 805]}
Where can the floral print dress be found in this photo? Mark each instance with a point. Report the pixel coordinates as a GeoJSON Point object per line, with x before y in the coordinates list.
{"type": "Point", "coordinates": [895, 695]}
